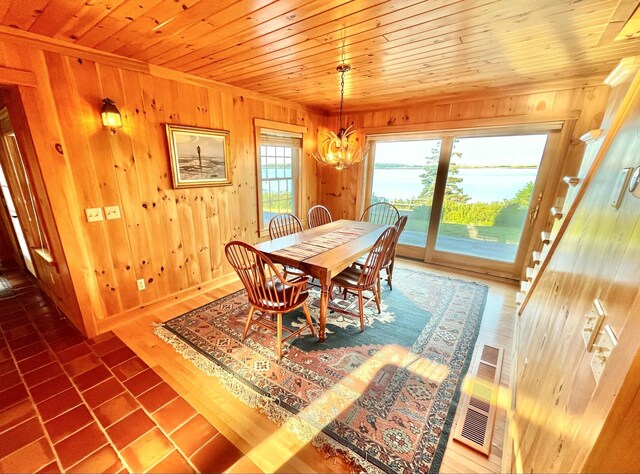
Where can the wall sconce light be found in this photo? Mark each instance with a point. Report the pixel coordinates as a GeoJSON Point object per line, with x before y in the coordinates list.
{"type": "Point", "coordinates": [110, 115]}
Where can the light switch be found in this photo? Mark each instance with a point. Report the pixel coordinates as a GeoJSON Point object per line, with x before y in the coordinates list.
{"type": "Point", "coordinates": [112, 212]}
{"type": "Point", "coordinates": [93, 214]}
{"type": "Point", "coordinates": [604, 345]}
{"type": "Point", "coordinates": [592, 324]}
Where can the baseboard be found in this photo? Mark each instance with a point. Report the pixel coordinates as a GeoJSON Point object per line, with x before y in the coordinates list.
{"type": "Point", "coordinates": [112, 322]}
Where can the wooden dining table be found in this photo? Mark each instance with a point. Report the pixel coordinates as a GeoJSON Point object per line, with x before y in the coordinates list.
{"type": "Point", "coordinates": [323, 252]}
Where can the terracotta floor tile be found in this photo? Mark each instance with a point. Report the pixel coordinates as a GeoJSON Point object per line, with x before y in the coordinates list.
{"type": "Point", "coordinates": [18, 332]}
{"type": "Point", "coordinates": [30, 350]}
{"type": "Point", "coordinates": [12, 395]}
{"type": "Point", "coordinates": [130, 428]}
{"type": "Point", "coordinates": [244, 466]}
{"type": "Point", "coordinates": [118, 356]}
{"type": "Point", "coordinates": [48, 389]}
{"type": "Point", "coordinates": [143, 382]}
{"type": "Point", "coordinates": [16, 414]}
{"type": "Point", "coordinates": [71, 338]}
{"type": "Point", "coordinates": [146, 451]}
{"type": "Point", "coordinates": [73, 352]}
{"type": "Point", "coordinates": [157, 397]}
{"type": "Point", "coordinates": [19, 436]}
{"type": "Point", "coordinates": [115, 409]}
{"type": "Point", "coordinates": [130, 368]}
{"type": "Point", "coordinates": [174, 462]}
{"type": "Point", "coordinates": [103, 460]}
{"type": "Point", "coordinates": [42, 374]}
{"type": "Point", "coordinates": [10, 379]}
{"type": "Point", "coordinates": [59, 404]}
{"type": "Point", "coordinates": [216, 456]}
{"type": "Point", "coordinates": [174, 414]}
{"type": "Point", "coordinates": [79, 445]}
{"type": "Point", "coordinates": [68, 423]}
{"type": "Point", "coordinates": [23, 341]}
{"type": "Point", "coordinates": [82, 364]}
{"type": "Point", "coordinates": [7, 366]}
{"type": "Point", "coordinates": [92, 377]}
{"type": "Point", "coordinates": [105, 336]}
{"type": "Point", "coordinates": [51, 468]}
{"type": "Point", "coordinates": [5, 354]}
{"type": "Point", "coordinates": [193, 435]}
{"type": "Point", "coordinates": [109, 345]}
{"type": "Point", "coordinates": [102, 392]}
{"type": "Point", "coordinates": [35, 362]}
{"type": "Point", "coordinates": [29, 458]}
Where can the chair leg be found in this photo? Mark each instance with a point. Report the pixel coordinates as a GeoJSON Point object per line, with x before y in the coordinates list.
{"type": "Point", "coordinates": [376, 294]}
{"type": "Point", "coordinates": [361, 309]}
{"type": "Point", "coordinates": [279, 336]}
{"type": "Point", "coordinates": [390, 274]}
{"type": "Point", "coordinates": [309, 321]}
{"type": "Point", "coordinates": [248, 323]}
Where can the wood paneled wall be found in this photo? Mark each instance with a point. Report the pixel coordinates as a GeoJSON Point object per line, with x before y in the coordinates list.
{"type": "Point", "coordinates": [173, 239]}
{"type": "Point", "coordinates": [564, 421]}
{"type": "Point", "coordinates": [341, 191]}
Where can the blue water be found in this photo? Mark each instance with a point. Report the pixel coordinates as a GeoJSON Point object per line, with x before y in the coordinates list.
{"type": "Point", "coordinates": [480, 184]}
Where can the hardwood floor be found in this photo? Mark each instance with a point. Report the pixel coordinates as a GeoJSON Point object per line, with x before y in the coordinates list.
{"type": "Point", "coordinates": [276, 450]}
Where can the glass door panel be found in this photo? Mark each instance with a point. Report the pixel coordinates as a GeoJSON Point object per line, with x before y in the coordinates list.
{"type": "Point", "coordinates": [404, 175]}
{"type": "Point", "coordinates": [487, 195]}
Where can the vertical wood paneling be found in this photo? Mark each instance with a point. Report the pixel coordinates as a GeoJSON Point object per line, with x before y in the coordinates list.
{"type": "Point", "coordinates": [565, 421]}
{"type": "Point", "coordinates": [172, 238]}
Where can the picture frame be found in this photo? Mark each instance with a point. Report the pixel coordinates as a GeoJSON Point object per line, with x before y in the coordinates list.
{"type": "Point", "coordinates": [199, 156]}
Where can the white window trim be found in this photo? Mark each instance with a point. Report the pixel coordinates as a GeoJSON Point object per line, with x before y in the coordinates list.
{"type": "Point", "coordinates": [259, 126]}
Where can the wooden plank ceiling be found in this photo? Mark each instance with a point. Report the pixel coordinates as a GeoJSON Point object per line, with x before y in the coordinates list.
{"type": "Point", "coordinates": [400, 50]}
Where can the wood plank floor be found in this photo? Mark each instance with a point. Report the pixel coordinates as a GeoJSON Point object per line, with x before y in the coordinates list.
{"type": "Point", "coordinates": [275, 450]}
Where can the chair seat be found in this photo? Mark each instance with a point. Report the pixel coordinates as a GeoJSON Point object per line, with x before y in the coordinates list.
{"type": "Point", "coordinates": [348, 277]}
{"type": "Point", "coordinates": [284, 294]}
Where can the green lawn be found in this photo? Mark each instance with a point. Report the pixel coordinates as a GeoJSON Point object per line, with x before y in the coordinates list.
{"type": "Point", "coordinates": [509, 235]}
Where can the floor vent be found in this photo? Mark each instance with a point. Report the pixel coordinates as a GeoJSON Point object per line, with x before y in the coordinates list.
{"type": "Point", "coordinates": [478, 405]}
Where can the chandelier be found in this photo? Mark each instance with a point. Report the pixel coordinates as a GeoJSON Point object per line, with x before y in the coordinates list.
{"type": "Point", "coordinates": [341, 149]}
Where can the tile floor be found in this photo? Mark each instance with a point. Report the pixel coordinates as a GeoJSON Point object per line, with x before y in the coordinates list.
{"type": "Point", "coordinates": [68, 404]}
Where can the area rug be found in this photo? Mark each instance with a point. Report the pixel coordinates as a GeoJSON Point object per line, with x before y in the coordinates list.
{"type": "Point", "coordinates": [5, 288]}
{"type": "Point", "coordinates": [384, 398]}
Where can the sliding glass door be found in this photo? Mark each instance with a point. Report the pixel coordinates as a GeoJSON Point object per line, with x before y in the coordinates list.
{"type": "Point", "coordinates": [470, 200]}
{"type": "Point", "coordinates": [487, 195]}
{"type": "Point", "coordinates": [404, 175]}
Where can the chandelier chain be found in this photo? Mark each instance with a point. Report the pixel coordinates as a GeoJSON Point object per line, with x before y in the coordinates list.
{"type": "Point", "coordinates": [342, 73]}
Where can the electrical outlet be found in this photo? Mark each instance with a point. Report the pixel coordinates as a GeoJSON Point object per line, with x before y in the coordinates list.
{"type": "Point", "coordinates": [592, 324]}
{"type": "Point", "coordinates": [141, 285]}
{"type": "Point", "coordinates": [112, 212]}
{"type": "Point", "coordinates": [93, 214]}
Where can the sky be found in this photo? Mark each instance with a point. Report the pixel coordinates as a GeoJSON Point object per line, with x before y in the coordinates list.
{"type": "Point", "coordinates": [477, 151]}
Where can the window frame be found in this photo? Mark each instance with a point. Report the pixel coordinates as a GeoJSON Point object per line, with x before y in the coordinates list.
{"type": "Point", "coordinates": [556, 131]}
{"type": "Point", "coordinates": [261, 125]}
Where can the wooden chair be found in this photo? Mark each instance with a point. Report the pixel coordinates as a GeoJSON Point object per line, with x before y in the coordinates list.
{"type": "Point", "coordinates": [390, 259]}
{"type": "Point", "coordinates": [284, 224]}
{"type": "Point", "coordinates": [366, 277]}
{"type": "Point", "coordinates": [381, 213]}
{"type": "Point", "coordinates": [268, 291]}
{"type": "Point", "coordinates": [318, 215]}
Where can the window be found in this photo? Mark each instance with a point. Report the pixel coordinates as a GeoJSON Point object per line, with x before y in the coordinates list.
{"type": "Point", "coordinates": [279, 150]}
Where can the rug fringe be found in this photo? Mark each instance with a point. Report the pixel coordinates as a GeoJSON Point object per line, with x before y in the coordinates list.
{"type": "Point", "coordinates": [267, 405]}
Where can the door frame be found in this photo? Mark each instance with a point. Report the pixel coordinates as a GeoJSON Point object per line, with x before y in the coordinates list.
{"type": "Point", "coordinates": [543, 193]}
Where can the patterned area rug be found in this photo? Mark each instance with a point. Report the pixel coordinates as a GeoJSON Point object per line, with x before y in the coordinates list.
{"type": "Point", "coordinates": [5, 288]}
{"type": "Point", "coordinates": [384, 398]}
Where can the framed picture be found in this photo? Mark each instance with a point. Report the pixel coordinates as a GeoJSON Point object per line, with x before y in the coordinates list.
{"type": "Point", "coordinates": [199, 156]}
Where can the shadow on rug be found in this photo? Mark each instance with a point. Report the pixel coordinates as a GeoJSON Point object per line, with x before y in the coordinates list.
{"type": "Point", "coordinates": [384, 398]}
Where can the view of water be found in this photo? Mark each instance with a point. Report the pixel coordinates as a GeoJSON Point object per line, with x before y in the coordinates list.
{"type": "Point", "coordinates": [480, 184]}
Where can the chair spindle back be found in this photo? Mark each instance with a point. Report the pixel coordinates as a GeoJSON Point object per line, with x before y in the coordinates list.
{"type": "Point", "coordinates": [381, 213]}
{"type": "Point", "coordinates": [284, 224]}
{"type": "Point", "coordinates": [318, 215]}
